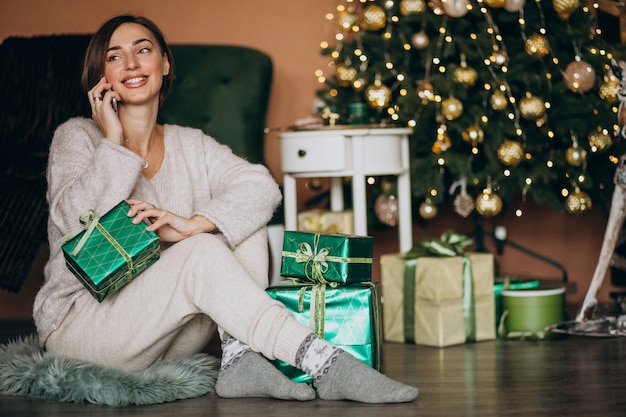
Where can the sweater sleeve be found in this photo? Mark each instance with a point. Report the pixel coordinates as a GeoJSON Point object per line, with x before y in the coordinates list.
{"type": "Point", "coordinates": [243, 196]}
{"type": "Point", "coordinates": [86, 171]}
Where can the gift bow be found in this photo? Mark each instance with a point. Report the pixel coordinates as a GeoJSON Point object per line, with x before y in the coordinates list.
{"type": "Point", "coordinates": [316, 258]}
{"type": "Point", "coordinates": [451, 244]}
{"type": "Point", "coordinates": [89, 220]}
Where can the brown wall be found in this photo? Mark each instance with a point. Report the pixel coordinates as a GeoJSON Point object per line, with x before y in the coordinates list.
{"type": "Point", "coordinates": [290, 32]}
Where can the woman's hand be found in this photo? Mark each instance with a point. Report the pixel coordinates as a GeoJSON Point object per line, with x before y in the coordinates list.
{"type": "Point", "coordinates": [101, 99]}
{"type": "Point", "coordinates": [168, 226]}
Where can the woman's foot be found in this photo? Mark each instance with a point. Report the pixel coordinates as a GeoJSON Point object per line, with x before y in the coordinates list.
{"type": "Point", "coordinates": [252, 375]}
{"type": "Point", "coordinates": [337, 375]}
{"type": "Point", "coordinates": [349, 379]}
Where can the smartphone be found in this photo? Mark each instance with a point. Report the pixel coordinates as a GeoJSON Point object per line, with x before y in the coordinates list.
{"type": "Point", "coordinates": [114, 104]}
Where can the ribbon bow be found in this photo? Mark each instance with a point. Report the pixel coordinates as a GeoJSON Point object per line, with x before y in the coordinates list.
{"type": "Point", "coordinates": [316, 258]}
{"type": "Point", "coordinates": [450, 244]}
{"type": "Point", "coordinates": [89, 220]}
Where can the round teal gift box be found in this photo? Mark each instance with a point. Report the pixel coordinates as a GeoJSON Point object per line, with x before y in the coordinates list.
{"type": "Point", "coordinates": [526, 312]}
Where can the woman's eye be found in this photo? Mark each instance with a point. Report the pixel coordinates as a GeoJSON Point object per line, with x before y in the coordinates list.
{"type": "Point", "coordinates": [113, 58]}
{"type": "Point", "coordinates": [144, 50]}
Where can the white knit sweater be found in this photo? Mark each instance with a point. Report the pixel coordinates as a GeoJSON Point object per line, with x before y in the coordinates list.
{"type": "Point", "coordinates": [198, 176]}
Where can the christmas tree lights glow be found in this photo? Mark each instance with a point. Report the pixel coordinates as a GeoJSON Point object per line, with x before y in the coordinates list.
{"type": "Point", "coordinates": [510, 97]}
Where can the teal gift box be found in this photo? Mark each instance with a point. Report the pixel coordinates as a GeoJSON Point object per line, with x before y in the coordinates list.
{"type": "Point", "coordinates": [348, 316]}
{"type": "Point", "coordinates": [327, 257]}
{"type": "Point", "coordinates": [110, 251]}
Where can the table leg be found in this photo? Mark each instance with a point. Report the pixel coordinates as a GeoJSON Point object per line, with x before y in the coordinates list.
{"type": "Point", "coordinates": [405, 222]}
{"type": "Point", "coordinates": [336, 194]}
{"type": "Point", "coordinates": [291, 202]}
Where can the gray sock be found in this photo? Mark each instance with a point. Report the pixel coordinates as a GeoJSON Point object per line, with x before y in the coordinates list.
{"type": "Point", "coordinates": [342, 377]}
{"type": "Point", "coordinates": [252, 375]}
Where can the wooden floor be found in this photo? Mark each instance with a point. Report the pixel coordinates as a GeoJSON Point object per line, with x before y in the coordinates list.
{"type": "Point", "coordinates": [573, 376]}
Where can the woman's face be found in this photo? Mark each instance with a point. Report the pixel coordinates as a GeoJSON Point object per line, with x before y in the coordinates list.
{"type": "Point", "coordinates": [135, 64]}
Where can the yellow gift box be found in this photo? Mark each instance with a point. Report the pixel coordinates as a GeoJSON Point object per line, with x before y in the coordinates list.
{"type": "Point", "coordinates": [426, 307]}
{"type": "Point", "coordinates": [325, 221]}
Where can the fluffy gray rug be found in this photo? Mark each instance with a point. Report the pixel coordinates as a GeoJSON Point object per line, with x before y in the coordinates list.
{"type": "Point", "coordinates": [27, 370]}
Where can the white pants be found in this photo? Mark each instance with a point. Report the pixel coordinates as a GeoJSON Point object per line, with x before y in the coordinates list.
{"type": "Point", "coordinates": [173, 308]}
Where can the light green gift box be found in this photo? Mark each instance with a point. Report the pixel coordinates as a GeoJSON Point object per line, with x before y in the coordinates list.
{"type": "Point", "coordinates": [114, 251]}
{"type": "Point", "coordinates": [348, 316]}
{"type": "Point", "coordinates": [327, 257]}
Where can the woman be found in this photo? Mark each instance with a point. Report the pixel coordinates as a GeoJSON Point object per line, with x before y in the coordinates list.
{"type": "Point", "coordinates": [209, 209]}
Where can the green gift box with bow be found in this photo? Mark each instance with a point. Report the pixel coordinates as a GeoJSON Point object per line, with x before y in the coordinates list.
{"type": "Point", "coordinates": [109, 251]}
{"type": "Point", "coordinates": [327, 257]}
{"type": "Point", "coordinates": [348, 316]}
{"type": "Point", "coordinates": [437, 294]}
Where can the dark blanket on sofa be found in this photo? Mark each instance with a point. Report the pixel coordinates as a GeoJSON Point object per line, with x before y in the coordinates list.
{"type": "Point", "coordinates": [39, 89]}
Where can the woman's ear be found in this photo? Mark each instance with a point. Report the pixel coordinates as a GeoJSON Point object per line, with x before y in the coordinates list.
{"type": "Point", "coordinates": [166, 65]}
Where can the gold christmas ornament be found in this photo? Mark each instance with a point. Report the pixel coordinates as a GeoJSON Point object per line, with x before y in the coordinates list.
{"type": "Point", "coordinates": [374, 18]}
{"type": "Point", "coordinates": [510, 152]}
{"type": "Point", "coordinates": [345, 74]}
{"type": "Point", "coordinates": [473, 135]}
{"type": "Point", "coordinates": [408, 7]}
{"type": "Point", "coordinates": [565, 8]}
{"type": "Point", "coordinates": [498, 100]}
{"type": "Point", "coordinates": [531, 107]}
{"type": "Point", "coordinates": [451, 108]}
{"type": "Point", "coordinates": [378, 95]}
{"type": "Point", "coordinates": [578, 202]}
{"type": "Point", "coordinates": [427, 209]}
{"type": "Point", "coordinates": [488, 203]}
{"type": "Point", "coordinates": [465, 75]}
{"type": "Point", "coordinates": [537, 45]}
{"type": "Point", "coordinates": [420, 40]}
{"type": "Point", "coordinates": [579, 76]}
{"type": "Point", "coordinates": [514, 5]}
{"type": "Point", "coordinates": [575, 155]}
{"type": "Point", "coordinates": [609, 89]}
{"type": "Point", "coordinates": [425, 91]}
{"type": "Point", "coordinates": [455, 8]}
{"type": "Point", "coordinates": [599, 141]}
{"type": "Point", "coordinates": [495, 4]}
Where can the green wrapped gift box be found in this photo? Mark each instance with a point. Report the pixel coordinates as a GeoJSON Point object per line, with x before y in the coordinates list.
{"type": "Point", "coordinates": [114, 251]}
{"type": "Point", "coordinates": [327, 257]}
{"type": "Point", "coordinates": [350, 318]}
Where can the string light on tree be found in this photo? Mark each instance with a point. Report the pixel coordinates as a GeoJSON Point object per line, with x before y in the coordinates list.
{"type": "Point", "coordinates": [513, 79]}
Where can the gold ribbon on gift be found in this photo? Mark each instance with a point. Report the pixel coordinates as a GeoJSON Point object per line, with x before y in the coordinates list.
{"type": "Point", "coordinates": [89, 221]}
{"type": "Point", "coordinates": [450, 244]}
{"type": "Point", "coordinates": [317, 316]}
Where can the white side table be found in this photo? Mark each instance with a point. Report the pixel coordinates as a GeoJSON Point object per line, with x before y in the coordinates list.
{"type": "Point", "coordinates": [349, 152]}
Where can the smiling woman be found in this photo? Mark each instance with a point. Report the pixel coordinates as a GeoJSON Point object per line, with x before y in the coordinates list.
{"type": "Point", "coordinates": [209, 209]}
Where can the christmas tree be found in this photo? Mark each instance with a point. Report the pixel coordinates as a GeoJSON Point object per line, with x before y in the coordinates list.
{"type": "Point", "coordinates": [506, 97]}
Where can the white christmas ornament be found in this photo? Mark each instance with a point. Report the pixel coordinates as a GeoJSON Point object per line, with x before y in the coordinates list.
{"type": "Point", "coordinates": [455, 8]}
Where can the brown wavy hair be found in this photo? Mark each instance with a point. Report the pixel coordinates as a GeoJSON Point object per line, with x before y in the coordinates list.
{"type": "Point", "coordinates": [93, 64]}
